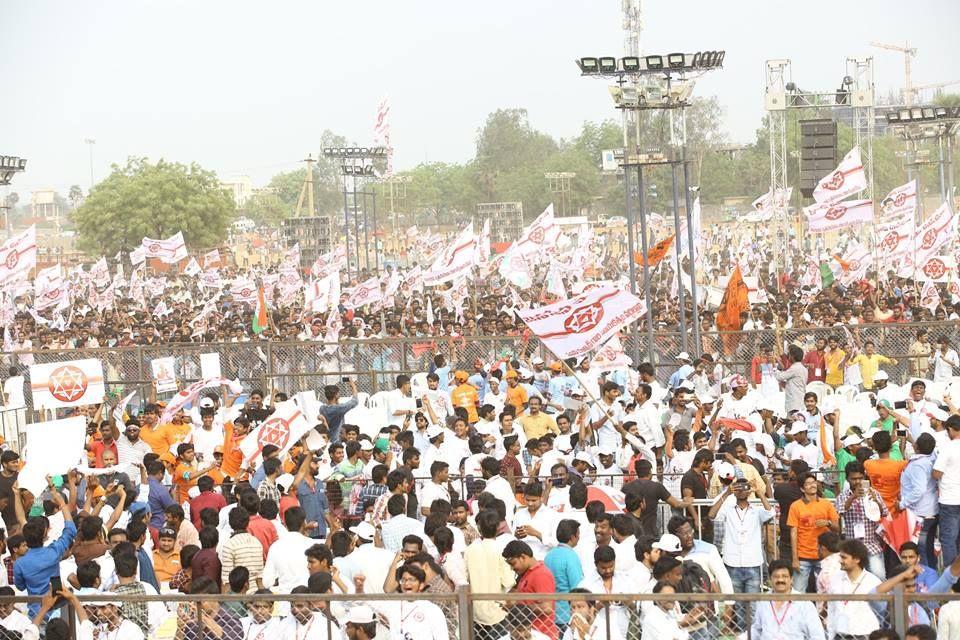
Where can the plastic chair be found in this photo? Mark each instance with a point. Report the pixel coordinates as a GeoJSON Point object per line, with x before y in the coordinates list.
{"type": "Point", "coordinates": [822, 389]}
{"type": "Point", "coordinates": [847, 391]}
{"type": "Point", "coordinates": [864, 398]}
{"type": "Point", "coordinates": [418, 384]}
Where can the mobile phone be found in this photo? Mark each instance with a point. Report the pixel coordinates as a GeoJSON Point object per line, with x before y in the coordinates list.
{"type": "Point", "coordinates": [720, 456]}
{"type": "Point", "coordinates": [344, 379]}
{"type": "Point", "coordinates": [56, 586]}
{"type": "Point", "coordinates": [419, 404]}
{"type": "Point", "coordinates": [901, 404]}
{"type": "Point", "coordinates": [902, 431]}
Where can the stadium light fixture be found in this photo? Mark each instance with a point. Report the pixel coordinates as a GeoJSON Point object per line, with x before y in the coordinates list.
{"type": "Point", "coordinates": [589, 66]}
{"type": "Point", "coordinates": [630, 64]}
{"type": "Point", "coordinates": [608, 64]}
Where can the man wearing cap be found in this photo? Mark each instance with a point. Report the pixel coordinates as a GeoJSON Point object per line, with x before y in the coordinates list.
{"type": "Point", "coordinates": [465, 395]}
{"type": "Point", "coordinates": [559, 387]}
{"type": "Point", "coordinates": [845, 451]}
{"type": "Point", "coordinates": [738, 403]}
{"type": "Point", "coordinates": [516, 394]}
{"type": "Point", "coordinates": [800, 447]}
{"type": "Point", "coordinates": [361, 623]}
{"type": "Point", "coordinates": [206, 437]}
{"type": "Point", "coordinates": [685, 371]}
{"type": "Point", "coordinates": [541, 377]}
{"type": "Point", "coordinates": [130, 448]}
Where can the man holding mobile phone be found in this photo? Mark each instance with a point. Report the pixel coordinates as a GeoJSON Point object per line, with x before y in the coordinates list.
{"type": "Point", "coordinates": [334, 410]}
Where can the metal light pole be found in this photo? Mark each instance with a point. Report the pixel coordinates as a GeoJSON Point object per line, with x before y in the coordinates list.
{"type": "Point", "coordinates": [676, 226]}
{"type": "Point", "coordinates": [90, 142]}
{"type": "Point", "coordinates": [692, 252]}
{"type": "Point", "coordinates": [635, 347]}
{"type": "Point", "coordinates": [644, 240]}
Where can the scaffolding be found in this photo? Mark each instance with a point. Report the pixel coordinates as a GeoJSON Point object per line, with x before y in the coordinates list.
{"type": "Point", "coordinates": [506, 219]}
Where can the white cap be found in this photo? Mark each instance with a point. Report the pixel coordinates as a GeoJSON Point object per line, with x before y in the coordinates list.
{"type": "Point", "coordinates": [706, 399]}
{"type": "Point", "coordinates": [583, 456]}
{"type": "Point", "coordinates": [684, 356]}
{"type": "Point", "coordinates": [881, 375]}
{"type": "Point", "coordinates": [798, 426]}
{"type": "Point", "coordinates": [851, 440]}
{"type": "Point", "coordinates": [524, 373]}
{"type": "Point", "coordinates": [206, 403]}
{"type": "Point", "coordinates": [686, 384]}
{"type": "Point", "coordinates": [366, 445]}
{"type": "Point", "coordinates": [536, 360]}
{"type": "Point", "coordinates": [284, 480]}
{"type": "Point", "coordinates": [433, 431]}
{"type": "Point", "coordinates": [765, 404]}
{"type": "Point", "coordinates": [724, 470]}
{"type": "Point", "coordinates": [938, 414]}
{"type": "Point", "coordinates": [766, 441]}
{"type": "Point", "coordinates": [603, 451]}
{"type": "Point", "coordinates": [669, 543]}
{"type": "Point", "coordinates": [365, 530]}
{"type": "Point", "coordinates": [869, 433]}
{"type": "Point", "coordinates": [361, 614]}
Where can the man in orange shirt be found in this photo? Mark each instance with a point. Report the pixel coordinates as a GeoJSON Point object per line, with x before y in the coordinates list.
{"type": "Point", "coordinates": [233, 433]}
{"type": "Point", "coordinates": [465, 395]}
{"type": "Point", "coordinates": [808, 517]}
{"type": "Point", "coordinates": [516, 394]}
{"type": "Point", "coordinates": [186, 472]}
{"type": "Point", "coordinates": [884, 474]}
{"type": "Point", "coordinates": [166, 557]}
{"type": "Point", "coordinates": [160, 437]}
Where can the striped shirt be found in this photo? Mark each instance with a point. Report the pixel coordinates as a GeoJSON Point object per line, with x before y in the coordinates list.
{"type": "Point", "coordinates": [241, 550]}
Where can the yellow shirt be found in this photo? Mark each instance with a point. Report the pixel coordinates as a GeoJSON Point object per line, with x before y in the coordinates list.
{"type": "Point", "coordinates": [834, 370]}
{"type": "Point", "coordinates": [869, 365]}
{"type": "Point", "coordinates": [539, 425]}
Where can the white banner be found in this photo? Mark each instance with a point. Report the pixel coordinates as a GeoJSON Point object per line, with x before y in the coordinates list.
{"type": "Point", "coordinates": [367, 292]}
{"type": "Point", "coordinates": [515, 270]}
{"type": "Point", "coordinates": [243, 290]}
{"type": "Point", "coordinates": [284, 428]}
{"type": "Point", "coordinates": [211, 280]}
{"type": "Point", "coordinates": [929, 296]}
{"type": "Point", "coordinates": [830, 217]}
{"type": "Point", "coordinates": [163, 374]}
{"type": "Point", "coordinates": [316, 295]}
{"type": "Point", "coordinates": [579, 325]}
{"type": "Point", "coordinates": [18, 256]}
{"type": "Point", "coordinates": [611, 356]}
{"type": "Point", "coordinates": [67, 384]}
{"type": "Point", "coordinates": [138, 256]}
{"type": "Point", "coordinates": [170, 251]}
{"type": "Point", "coordinates": [456, 260]}
{"type": "Point", "coordinates": [210, 365]}
{"type": "Point", "coordinates": [858, 260]}
{"type": "Point", "coordinates": [100, 273]}
{"type": "Point", "coordinates": [935, 232]}
{"type": "Point", "coordinates": [899, 205]}
{"type": "Point", "coordinates": [192, 268]}
{"type": "Point", "coordinates": [191, 393]}
{"type": "Point", "coordinates": [844, 181]}
{"type": "Point", "coordinates": [540, 235]}
{"type": "Point", "coordinates": [53, 448]}
{"type": "Point", "coordinates": [329, 263]}
{"type": "Point", "coordinates": [765, 206]}
{"type": "Point", "coordinates": [211, 259]}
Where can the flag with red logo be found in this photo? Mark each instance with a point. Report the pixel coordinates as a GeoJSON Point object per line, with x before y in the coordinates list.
{"type": "Point", "coordinates": [367, 292]}
{"type": "Point", "coordinates": [170, 251]}
{"type": "Point", "coordinates": [932, 269]}
{"type": "Point", "coordinates": [100, 272]}
{"type": "Point", "coordinates": [455, 260]}
{"type": "Point", "coordinates": [579, 325]}
{"type": "Point", "coordinates": [329, 262]}
{"type": "Point", "coordinates": [929, 296]}
{"type": "Point", "coordinates": [844, 181]}
{"type": "Point", "coordinates": [539, 236]}
{"type": "Point", "coordinates": [611, 356]}
{"type": "Point", "coordinates": [830, 217]}
{"type": "Point", "coordinates": [18, 256]}
{"type": "Point", "coordinates": [900, 205]}
{"type": "Point", "coordinates": [284, 428]}
{"type": "Point", "coordinates": [765, 206]}
{"type": "Point", "coordinates": [243, 290]}
{"type": "Point", "coordinates": [935, 232]}
{"type": "Point", "coordinates": [67, 384]}
{"type": "Point", "coordinates": [855, 262]}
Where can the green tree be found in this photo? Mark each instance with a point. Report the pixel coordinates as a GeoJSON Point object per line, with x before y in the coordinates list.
{"type": "Point", "coordinates": [266, 209]}
{"type": "Point", "coordinates": [154, 200]}
{"type": "Point", "coordinates": [327, 185]}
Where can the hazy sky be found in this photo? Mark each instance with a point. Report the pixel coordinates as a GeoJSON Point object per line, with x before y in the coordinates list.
{"type": "Point", "coordinates": [246, 87]}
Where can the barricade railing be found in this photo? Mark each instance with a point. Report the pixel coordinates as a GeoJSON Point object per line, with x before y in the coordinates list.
{"type": "Point", "coordinates": [595, 615]}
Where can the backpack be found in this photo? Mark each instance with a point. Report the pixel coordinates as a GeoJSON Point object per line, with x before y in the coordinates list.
{"type": "Point", "coordinates": [694, 579]}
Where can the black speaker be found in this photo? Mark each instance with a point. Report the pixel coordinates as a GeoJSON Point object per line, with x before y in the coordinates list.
{"type": "Point", "coordinates": [818, 152]}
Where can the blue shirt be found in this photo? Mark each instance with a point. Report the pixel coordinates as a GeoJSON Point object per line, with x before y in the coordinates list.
{"type": "Point", "coordinates": [159, 499]}
{"type": "Point", "coordinates": [314, 504]}
{"type": "Point", "coordinates": [799, 622]}
{"type": "Point", "coordinates": [147, 573]}
{"type": "Point", "coordinates": [918, 487]}
{"type": "Point", "coordinates": [564, 563]}
{"type": "Point", "coordinates": [33, 571]}
{"type": "Point", "coordinates": [680, 375]}
{"type": "Point", "coordinates": [258, 476]}
{"type": "Point", "coordinates": [444, 374]}
{"type": "Point", "coordinates": [333, 414]}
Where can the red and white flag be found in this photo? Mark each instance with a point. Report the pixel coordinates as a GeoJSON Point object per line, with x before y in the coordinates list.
{"type": "Point", "coordinates": [929, 296]}
{"type": "Point", "coordinates": [935, 232]}
{"type": "Point", "coordinates": [317, 295]}
{"type": "Point", "coordinates": [190, 394]}
{"type": "Point", "coordinates": [18, 256]}
{"type": "Point", "coordinates": [284, 428]}
{"type": "Point", "coordinates": [541, 234]}
{"type": "Point", "coordinates": [243, 290]}
{"type": "Point", "coordinates": [170, 251]}
{"type": "Point", "coordinates": [483, 248]}
{"type": "Point", "coordinates": [192, 268]}
{"type": "Point", "coordinates": [830, 217]}
{"type": "Point", "coordinates": [577, 326]}
{"type": "Point", "coordinates": [894, 240]}
{"type": "Point", "coordinates": [935, 269]}
{"type": "Point", "coordinates": [138, 256]}
{"type": "Point", "coordinates": [412, 281]}
{"type": "Point", "coordinates": [55, 293]}
{"type": "Point", "coordinates": [292, 255]}
{"type": "Point", "coordinates": [765, 206]}
{"type": "Point", "coordinates": [900, 205]}
{"type": "Point", "coordinates": [381, 131]}
{"type": "Point", "coordinates": [211, 280]}
{"type": "Point", "coordinates": [100, 272]}
{"type": "Point", "coordinates": [611, 356]}
{"type": "Point", "coordinates": [367, 292]}
{"type": "Point", "coordinates": [844, 181]}
{"type": "Point", "coordinates": [67, 384]}
{"type": "Point", "coordinates": [329, 263]}
{"type": "Point", "coordinates": [456, 260]}
{"type": "Point", "coordinates": [211, 259]}
{"type": "Point", "coordinates": [857, 260]}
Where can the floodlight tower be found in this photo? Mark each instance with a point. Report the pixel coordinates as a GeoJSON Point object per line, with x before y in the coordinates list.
{"type": "Point", "coordinates": [632, 27]}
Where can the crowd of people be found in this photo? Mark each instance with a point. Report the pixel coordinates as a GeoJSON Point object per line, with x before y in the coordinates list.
{"type": "Point", "coordinates": [519, 477]}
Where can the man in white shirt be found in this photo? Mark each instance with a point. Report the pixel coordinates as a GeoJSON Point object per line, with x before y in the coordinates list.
{"type": "Point", "coordinates": [400, 403]}
{"type": "Point", "coordinates": [852, 617]}
{"type": "Point", "coordinates": [536, 524]}
{"type": "Point", "coordinates": [801, 448]}
{"type": "Point", "coordinates": [608, 579]}
{"type": "Point", "coordinates": [945, 359]}
{"type": "Point", "coordinates": [647, 417]}
{"type": "Point", "coordinates": [606, 415]}
{"type": "Point", "coordinates": [207, 437]}
{"type": "Point", "coordinates": [438, 487]}
{"type": "Point", "coordinates": [498, 486]}
{"type": "Point", "coordinates": [286, 565]}
{"type": "Point", "coordinates": [436, 403]}
{"type": "Point", "coordinates": [946, 470]}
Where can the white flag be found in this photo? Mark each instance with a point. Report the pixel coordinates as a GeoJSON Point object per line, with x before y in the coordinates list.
{"type": "Point", "coordinates": [935, 269]}
{"type": "Point", "coordinates": [100, 272]}
{"type": "Point", "coordinates": [211, 259]}
{"type": "Point", "coordinates": [211, 280]}
{"type": "Point", "coordinates": [52, 450]}
{"type": "Point", "coordinates": [844, 181]}
{"type": "Point", "coordinates": [316, 295]}
{"type": "Point", "coordinates": [514, 269]}
{"type": "Point", "coordinates": [935, 232]}
{"type": "Point", "coordinates": [161, 309]}
{"type": "Point", "coordinates": [766, 205]}
{"type": "Point", "coordinates": [900, 204]}
{"type": "Point", "coordinates": [483, 249]}
{"type": "Point", "coordinates": [555, 281]}
{"type": "Point", "coordinates": [538, 237]}
{"type": "Point", "coordinates": [929, 296]}
{"type": "Point", "coordinates": [830, 217]}
{"type": "Point", "coordinates": [192, 268]}
{"type": "Point", "coordinates": [18, 256]}
{"type": "Point", "coordinates": [243, 290]}
{"type": "Point", "coordinates": [67, 384]}
{"type": "Point", "coordinates": [170, 251]}
{"type": "Point", "coordinates": [329, 262]}
{"type": "Point", "coordinates": [430, 317]}
{"type": "Point", "coordinates": [138, 256]}
{"type": "Point", "coordinates": [579, 325]}
{"type": "Point", "coordinates": [284, 428]}
{"type": "Point", "coordinates": [367, 292]}
{"type": "Point", "coordinates": [611, 356]}
{"type": "Point", "coordinates": [456, 260]}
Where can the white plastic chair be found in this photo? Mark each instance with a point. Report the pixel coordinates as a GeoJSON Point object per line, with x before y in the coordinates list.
{"type": "Point", "coordinates": [418, 384]}
{"type": "Point", "coordinates": [935, 390]}
{"type": "Point", "coordinates": [822, 389]}
{"type": "Point", "coordinates": [846, 391]}
{"type": "Point", "coordinates": [864, 398]}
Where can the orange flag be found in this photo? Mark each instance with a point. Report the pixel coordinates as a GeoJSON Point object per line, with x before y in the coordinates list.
{"type": "Point", "coordinates": [843, 263]}
{"type": "Point", "coordinates": [825, 447]}
{"type": "Point", "coordinates": [733, 304]}
{"type": "Point", "coordinates": [657, 252]}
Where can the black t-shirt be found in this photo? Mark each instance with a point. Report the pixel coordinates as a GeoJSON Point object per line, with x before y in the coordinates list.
{"type": "Point", "coordinates": [694, 481]}
{"type": "Point", "coordinates": [652, 493]}
{"type": "Point", "coordinates": [6, 491]}
{"type": "Point", "coordinates": [786, 493]}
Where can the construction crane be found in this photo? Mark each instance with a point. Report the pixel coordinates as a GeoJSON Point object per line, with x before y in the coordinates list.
{"type": "Point", "coordinates": [908, 53]}
{"type": "Point", "coordinates": [936, 85]}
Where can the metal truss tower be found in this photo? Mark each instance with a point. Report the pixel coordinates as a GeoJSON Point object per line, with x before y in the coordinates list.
{"type": "Point", "coordinates": [775, 101]}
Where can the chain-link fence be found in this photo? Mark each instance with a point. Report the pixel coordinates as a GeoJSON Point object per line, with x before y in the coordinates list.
{"type": "Point", "coordinates": [675, 608]}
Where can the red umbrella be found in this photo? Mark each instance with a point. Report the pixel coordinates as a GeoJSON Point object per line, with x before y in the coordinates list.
{"type": "Point", "coordinates": [611, 498]}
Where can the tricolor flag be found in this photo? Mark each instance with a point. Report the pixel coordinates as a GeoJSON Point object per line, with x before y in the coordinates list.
{"type": "Point", "coordinates": [260, 320]}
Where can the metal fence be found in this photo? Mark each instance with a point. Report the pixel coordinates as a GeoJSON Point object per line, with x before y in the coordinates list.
{"type": "Point", "coordinates": [462, 615]}
{"type": "Point", "coordinates": [374, 363]}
